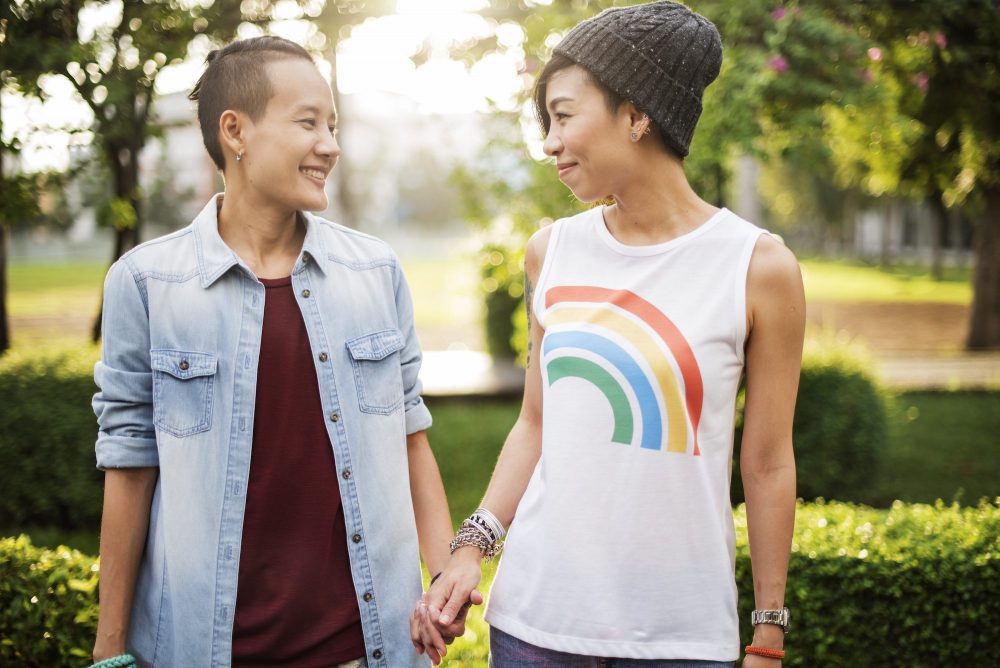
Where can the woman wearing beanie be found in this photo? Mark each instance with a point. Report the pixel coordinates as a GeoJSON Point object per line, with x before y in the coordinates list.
{"type": "Point", "coordinates": [643, 315]}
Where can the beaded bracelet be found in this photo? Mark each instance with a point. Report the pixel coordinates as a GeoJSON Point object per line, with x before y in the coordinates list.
{"type": "Point", "coordinates": [765, 651]}
{"type": "Point", "coordinates": [120, 661]}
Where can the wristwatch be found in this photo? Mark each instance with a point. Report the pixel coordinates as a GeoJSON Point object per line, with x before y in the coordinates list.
{"type": "Point", "coordinates": [776, 617]}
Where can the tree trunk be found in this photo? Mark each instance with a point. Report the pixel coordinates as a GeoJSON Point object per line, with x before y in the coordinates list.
{"type": "Point", "coordinates": [890, 213]}
{"type": "Point", "coordinates": [124, 162]}
{"type": "Point", "coordinates": [4, 323]}
{"type": "Point", "coordinates": [939, 226]}
{"type": "Point", "coordinates": [984, 330]}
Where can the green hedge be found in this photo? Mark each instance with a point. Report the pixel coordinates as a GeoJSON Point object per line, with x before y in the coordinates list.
{"type": "Point", "coordinates": [841, 425]}
{"type": "Point", "coordinates": [47, 434]}
{"type": "Point", "coordinates": [48, 605]}
{"type": "Point", "coordinates": [913, 586]}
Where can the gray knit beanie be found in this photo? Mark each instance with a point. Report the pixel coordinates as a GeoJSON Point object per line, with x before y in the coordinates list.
{"type": "Point", "coordinates": [660, 56]}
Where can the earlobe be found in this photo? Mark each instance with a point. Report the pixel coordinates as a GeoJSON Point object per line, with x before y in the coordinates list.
{"type": "Point", "coordinates": [231, 132]}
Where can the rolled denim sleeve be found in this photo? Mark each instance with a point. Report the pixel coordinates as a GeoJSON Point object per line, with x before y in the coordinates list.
{"type": "Point", "coordinates": [124, 402]}
{"type": "Point", "coordinates": [418, 417]}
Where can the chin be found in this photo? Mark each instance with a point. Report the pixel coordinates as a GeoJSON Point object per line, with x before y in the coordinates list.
{"type": "Point", "coordinates": [312, 203]}
{"type": "Point", "coordinates": [587, 196]}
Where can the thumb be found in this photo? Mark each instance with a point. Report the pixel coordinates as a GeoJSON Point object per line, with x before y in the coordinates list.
{"type": "Point", "coordinates": [476, 597]}
{"type": "Point", "coordinates": [451, 608]}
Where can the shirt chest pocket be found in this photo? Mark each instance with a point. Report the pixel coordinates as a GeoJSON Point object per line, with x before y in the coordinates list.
{"type": "Point", "coordinates": [183, 383]}
{"type": "Point", "coordinates": [377, 372]}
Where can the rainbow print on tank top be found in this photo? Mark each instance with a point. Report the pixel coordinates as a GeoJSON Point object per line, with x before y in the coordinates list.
{"type": "Point", "coordinates": [625, 346]}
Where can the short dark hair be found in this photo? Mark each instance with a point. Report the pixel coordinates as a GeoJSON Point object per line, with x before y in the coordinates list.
{"type": "Point", "coordinates": [236, 78]}
{"type": "Point", "coordinates": [556, 64]}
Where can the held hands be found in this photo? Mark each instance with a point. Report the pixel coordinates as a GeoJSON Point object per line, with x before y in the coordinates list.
{"type": "Point", "coordinates": [439, 616]}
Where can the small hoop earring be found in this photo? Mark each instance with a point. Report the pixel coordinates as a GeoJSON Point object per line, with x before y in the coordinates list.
{"type": "Point", "coordinates": [239, 156]}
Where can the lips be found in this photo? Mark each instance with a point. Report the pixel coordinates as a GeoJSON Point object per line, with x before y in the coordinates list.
{"type": "Point", "coordinates": [564, 168]}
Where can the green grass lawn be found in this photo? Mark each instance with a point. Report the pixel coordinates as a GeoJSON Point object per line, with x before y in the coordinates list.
{"type": "Point", "coordinates": [853, 282]}
{"type": "Point", "coordinates": [942, 445]}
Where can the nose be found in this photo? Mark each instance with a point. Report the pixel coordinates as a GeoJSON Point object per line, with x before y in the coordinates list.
{"type": "Point", "coordinates": [328, 146]}
{"type": "Point", "coordinates": [552, 146]}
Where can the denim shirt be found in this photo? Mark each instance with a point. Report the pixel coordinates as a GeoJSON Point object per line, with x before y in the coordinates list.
{"type": "Point", "coordinates": [177, 378]}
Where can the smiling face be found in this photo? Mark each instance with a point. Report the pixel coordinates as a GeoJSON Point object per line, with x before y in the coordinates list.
{"type": "Point", "coordinates": [291, 149]}
{"type": "Point", "coordinates": [589, 142]}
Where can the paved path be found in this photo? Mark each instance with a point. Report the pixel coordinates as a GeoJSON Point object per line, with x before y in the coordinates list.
{"type": "Point", "coordinates": [967, 370]}
{"type": "Point", "coordinates": [472, 373]}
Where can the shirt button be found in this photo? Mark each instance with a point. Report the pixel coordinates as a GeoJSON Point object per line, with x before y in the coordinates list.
{"type": "Point", "coordinates": [356, 538]}
{"type": "Point", "coordinates": [334, 417]}
{"type": "Point", "coordinates": [306, 293]}
{"type": "Point", "coordinates": [323, 357]}
{"type": "Point", "coordinates": [377, 654]}
{"type": "Point", "coordinates": [368, 596]}
{"type": "Point", "coordinates": [346, 474]}
{"type": "Point", "coordinates": [184, 365]}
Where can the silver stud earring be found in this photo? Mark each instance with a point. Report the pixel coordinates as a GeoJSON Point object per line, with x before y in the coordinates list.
{"type": "Point", "coordinates": [634, 136]}
{"type": "Point", "coordinates": [239, 156]}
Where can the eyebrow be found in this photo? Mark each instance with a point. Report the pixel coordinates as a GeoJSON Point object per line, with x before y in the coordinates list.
{"type": "Point", "coordinates": [553, 102]}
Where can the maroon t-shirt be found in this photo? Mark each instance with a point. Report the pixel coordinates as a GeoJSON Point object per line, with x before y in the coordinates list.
{"type": "Point", "coordinates": [295, 604]}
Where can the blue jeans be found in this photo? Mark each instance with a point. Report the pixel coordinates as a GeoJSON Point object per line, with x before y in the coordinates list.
{"type": "Point", "coordinates": [506, 651]}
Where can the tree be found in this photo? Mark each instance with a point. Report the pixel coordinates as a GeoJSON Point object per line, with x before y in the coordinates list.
{"type": "Point", "coordinates": [113, 62]}
{"type": "Point", "coordinates": [17, 204]}
{"type": "Point", "coordinates": [942, 65]}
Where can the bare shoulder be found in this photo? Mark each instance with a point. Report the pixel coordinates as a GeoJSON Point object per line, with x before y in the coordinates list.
{"type": "Point", "coordinates": [773, 266]}
{"type": "Point", "coordinates": [534, 252]}
{"type": "Point", "coordinates": [774, 284]}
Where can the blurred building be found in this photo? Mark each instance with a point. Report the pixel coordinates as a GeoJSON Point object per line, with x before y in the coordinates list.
{"type": "Point", "coordinates": [392, 179]}
{"type": "Point", "coordinates": [902, 231]}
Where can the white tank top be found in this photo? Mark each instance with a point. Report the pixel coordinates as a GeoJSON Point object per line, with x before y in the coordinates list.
{"type": "Point", "coordinates": [623, 544]}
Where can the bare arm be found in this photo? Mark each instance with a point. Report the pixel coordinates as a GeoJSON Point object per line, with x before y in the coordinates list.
{"type": "Point", "coordinates": [128, 494]}
{"type": "Point", "coordinates": [776, 308]}
{"type": "Point", "coordinates": [512, 472]}
{"type": "Point", "coordinates": [430, 506]}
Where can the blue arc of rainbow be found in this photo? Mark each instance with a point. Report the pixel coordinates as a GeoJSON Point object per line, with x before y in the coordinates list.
{"type": "Point", "coordinates": [652, 429]}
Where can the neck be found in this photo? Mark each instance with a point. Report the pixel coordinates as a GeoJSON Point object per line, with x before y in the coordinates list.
{"type": "Point", "coordinates": [657, 205]}
{"type": "Point", "coordinates": [267, 238]}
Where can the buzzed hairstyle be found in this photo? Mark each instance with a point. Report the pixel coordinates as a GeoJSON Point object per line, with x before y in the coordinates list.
{"type": "Point", "coordinates": [236, 78]}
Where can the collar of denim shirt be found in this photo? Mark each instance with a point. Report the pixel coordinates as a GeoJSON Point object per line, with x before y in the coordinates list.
{"type": "Point", "coordinates": [215, 258]}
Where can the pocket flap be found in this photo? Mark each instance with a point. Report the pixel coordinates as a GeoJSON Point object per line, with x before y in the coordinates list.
{"type": "Point", "coordinates": [376, 346]}
{"type": "Point", "coordinates": [182, 364]}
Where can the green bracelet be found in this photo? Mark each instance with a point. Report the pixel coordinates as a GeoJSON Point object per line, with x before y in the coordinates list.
{"type": "Point", "coordinates": [120, 661]}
